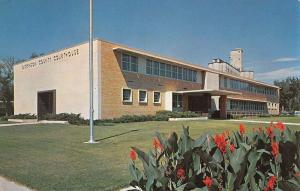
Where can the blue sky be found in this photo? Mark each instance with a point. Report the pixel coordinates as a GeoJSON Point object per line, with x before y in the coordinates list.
{"type": "Point", "coordinates": [195, 31]}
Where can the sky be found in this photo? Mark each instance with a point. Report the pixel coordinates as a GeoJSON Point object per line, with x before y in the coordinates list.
{"type": "Point", "coordinates": [195, 31]}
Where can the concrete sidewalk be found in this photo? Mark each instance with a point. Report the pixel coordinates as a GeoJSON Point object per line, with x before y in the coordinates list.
{"type": "Point", "coordinates": [265, 122]}
{"type": "Point", "coordinates": [17, 124]}
{"type": "Point", "coordinates": [7, 185]}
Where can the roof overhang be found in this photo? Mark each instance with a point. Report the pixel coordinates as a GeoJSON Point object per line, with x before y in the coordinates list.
{"type": "Point", "coordinates": [209, 91]}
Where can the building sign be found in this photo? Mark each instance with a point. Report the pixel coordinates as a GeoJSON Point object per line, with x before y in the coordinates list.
{"type": "Point", "coordinates": [51, 59]}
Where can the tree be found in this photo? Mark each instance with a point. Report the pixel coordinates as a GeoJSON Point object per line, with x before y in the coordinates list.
{"type": "Point", "coordinates": [289, 93]}
{"type": "Point", "coordinates": [6, 83]}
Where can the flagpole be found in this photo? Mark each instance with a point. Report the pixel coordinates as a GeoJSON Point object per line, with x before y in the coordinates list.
{"type": "Point", "coordinates": [91, 88]}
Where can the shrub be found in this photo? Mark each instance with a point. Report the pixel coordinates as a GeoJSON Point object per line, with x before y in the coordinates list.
{"type": "Point", "coordinates": [176, 114]}
{"type": "Point", "coordinates": [263, 159]}
{"type": "Point", "coordinates": [23, 116]}
{"type": "Point", "coordinates": [72, 118]}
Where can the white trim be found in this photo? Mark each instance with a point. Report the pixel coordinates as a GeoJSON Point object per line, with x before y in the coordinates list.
{"type": "Point", "coordinates": [126, 101]}
{"type": "Point", "coordinates": [146, 98]}
{"type": "Point", "coordinates": [159, 97]}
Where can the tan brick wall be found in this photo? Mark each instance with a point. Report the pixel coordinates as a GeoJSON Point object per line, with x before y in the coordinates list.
{"type": "Point", "coordinates": [113, 80]}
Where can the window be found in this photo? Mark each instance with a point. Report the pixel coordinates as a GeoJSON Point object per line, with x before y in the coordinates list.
{"type": "Point", "coordinates": [185, 74]}
{"type": "Point", "coordinates": [177, 102]}
{"type": "Point", "coordinates": [179, 76]}
{"type": "Point", "coordinates": [156, 68]}
{"type": "Point", "coordinates": [129, 63]}
{"type": "Point", "coordinates": [126, 62]}
{"type": "Point", "coordinates": [168, 71]}
{"type": "Point", "coordinates": [174, 72]}
{"type": "Point", "coordinates": [127, 95]}
{"type": "Point", "coordinates": [134, 64]}
{"type": "Point", "coordinates": [194, 76]}
{"type": "Point", "coordinates": [162, 69]}
{"type": "Point", "coordinates": [190, 75]}
{"type": "Point", "coordinates": [149, 67]}
{"type": "Point", "coordinates": [142, 96]}
{"type": "Point", "coordinates": [156, 97]}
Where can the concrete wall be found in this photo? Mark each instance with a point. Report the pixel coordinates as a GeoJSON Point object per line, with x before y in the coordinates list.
{"type": "Point", "coordinates": [65, 71]}
{"type": "Point", "coordinates": [211, 81]}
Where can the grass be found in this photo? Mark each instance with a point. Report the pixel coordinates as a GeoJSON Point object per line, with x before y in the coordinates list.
{"type": "Point", "coordinates": [287, 119]}
{"type": "Point", "coordinates": [54, 157]}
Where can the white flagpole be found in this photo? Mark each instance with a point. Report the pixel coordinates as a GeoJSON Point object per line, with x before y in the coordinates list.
{"type": "Point", "coordinates": [91, 75]}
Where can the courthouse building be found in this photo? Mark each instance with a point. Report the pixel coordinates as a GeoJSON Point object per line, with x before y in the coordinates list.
{"type": "Point", "coordinates": [130, 81]}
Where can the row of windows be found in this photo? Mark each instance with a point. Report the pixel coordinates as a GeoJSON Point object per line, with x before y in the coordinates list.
{"type": "Point", "coordinates": [143, 96]}
{"type": "Point", "coordinates": [170, 71]}
{"type": "Point", "coordinates": [130, 63]}
{"type": "Point", "coordinates": [245, 86]}
{"type": "Point", "coordinates": [246, 105]}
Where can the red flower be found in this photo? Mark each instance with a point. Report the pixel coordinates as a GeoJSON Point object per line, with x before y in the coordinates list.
{"type": "Point", "coordinates": [221, 142]}
{"type": "Point", "coordinates": [180, 173]}
{"type": "Point", "coordinates": [156, 144]}
{"type": "Point", "coordinates": [275, 149]}
{"type": "Point", "coordinates": [242, 129]}
{"type": "Point", "coordinates": [271, 183]}
{"type": "Point", "coordinates": [208, 181]}
{"type": "Point", "coordinates": [232, 148]}
{"type": "Point", "coordinates": [298, 174]}
{"type": "Point", "coordinates": [280, 126]}
{"type": "Point", "coordinates": [133, 154]}
{"type": "Point", "coordinates": [270, 132]}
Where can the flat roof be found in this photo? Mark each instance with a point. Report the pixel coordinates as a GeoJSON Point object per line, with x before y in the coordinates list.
{"type": "Point", "coordinates": [210, 91]}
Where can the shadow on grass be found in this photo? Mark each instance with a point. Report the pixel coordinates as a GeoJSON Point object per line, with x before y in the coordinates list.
{"type": "Point", "coordinates": [117, 135]}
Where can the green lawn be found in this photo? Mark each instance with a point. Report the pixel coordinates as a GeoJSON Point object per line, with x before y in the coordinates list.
{"type": "Point", "coordinates": [289, 119]}
{"type": "Point", "coordinates": [54, 157]}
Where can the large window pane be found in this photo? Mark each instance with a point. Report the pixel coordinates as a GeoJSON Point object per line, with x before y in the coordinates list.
{"type": "Point", "coordinates": [134, 64]}
{"type": "Point", "coordinates": [162, 69]}
{"type": "Point", "coordinates": [149, 67]}
{"type": "Point", "coordinates": [179, 76]}
{"type": "Point", "coordinates": [168, 71]}
{"type": "Point", "coordinates": [156, 68]}
{"type": "Point", "coordinates": [185, 74]}
{"type": "Point", "coordinates": [190, 75]}
{"type": "Point", "coordinates": [126, 62]}
{"type": "Point", "coordinates": [194, 76]}
{"type": "Point", "coordinates": [174, 72]}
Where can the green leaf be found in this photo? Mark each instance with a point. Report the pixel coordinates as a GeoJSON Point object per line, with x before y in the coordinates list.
{"type": "Point", "coordinates": [150, 182]}
{"type": "Point", "coordinates": [237, 158]}
{"type": "Point", "coordinates": [218, 157]}
{"type": "Point", "coordinates": [230, 181]}
{"type": "Point", "coordinates": [181, 188]}
{"type": "Point", "coordinates": [200, 141]}
{"type": "Point", "coordinates": [246, 146]}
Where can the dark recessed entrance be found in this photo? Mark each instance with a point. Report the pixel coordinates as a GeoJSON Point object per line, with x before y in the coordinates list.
{"type": "Point", "coordinates": [46, 103]}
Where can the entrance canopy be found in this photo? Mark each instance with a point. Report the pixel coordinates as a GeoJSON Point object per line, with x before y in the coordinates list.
{"type": "Point", "coordinates": [209, 91]}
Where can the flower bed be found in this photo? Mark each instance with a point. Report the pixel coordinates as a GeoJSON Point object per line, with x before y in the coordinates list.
{"type": "Point", "coordinates": [261, 159]}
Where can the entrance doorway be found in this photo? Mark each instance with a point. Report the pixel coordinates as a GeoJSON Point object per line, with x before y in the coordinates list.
{"type": "Point", "coordinates": [46, 103]}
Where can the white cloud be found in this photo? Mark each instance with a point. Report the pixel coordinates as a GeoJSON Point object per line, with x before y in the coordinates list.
{"type": "Point", "coordinates": [286, 59]}
{"type": "Point", "coordinates": [278, 74]}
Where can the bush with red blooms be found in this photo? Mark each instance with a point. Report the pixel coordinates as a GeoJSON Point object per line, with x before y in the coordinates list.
{"type": "Point", "coordinates": [259, 159]}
